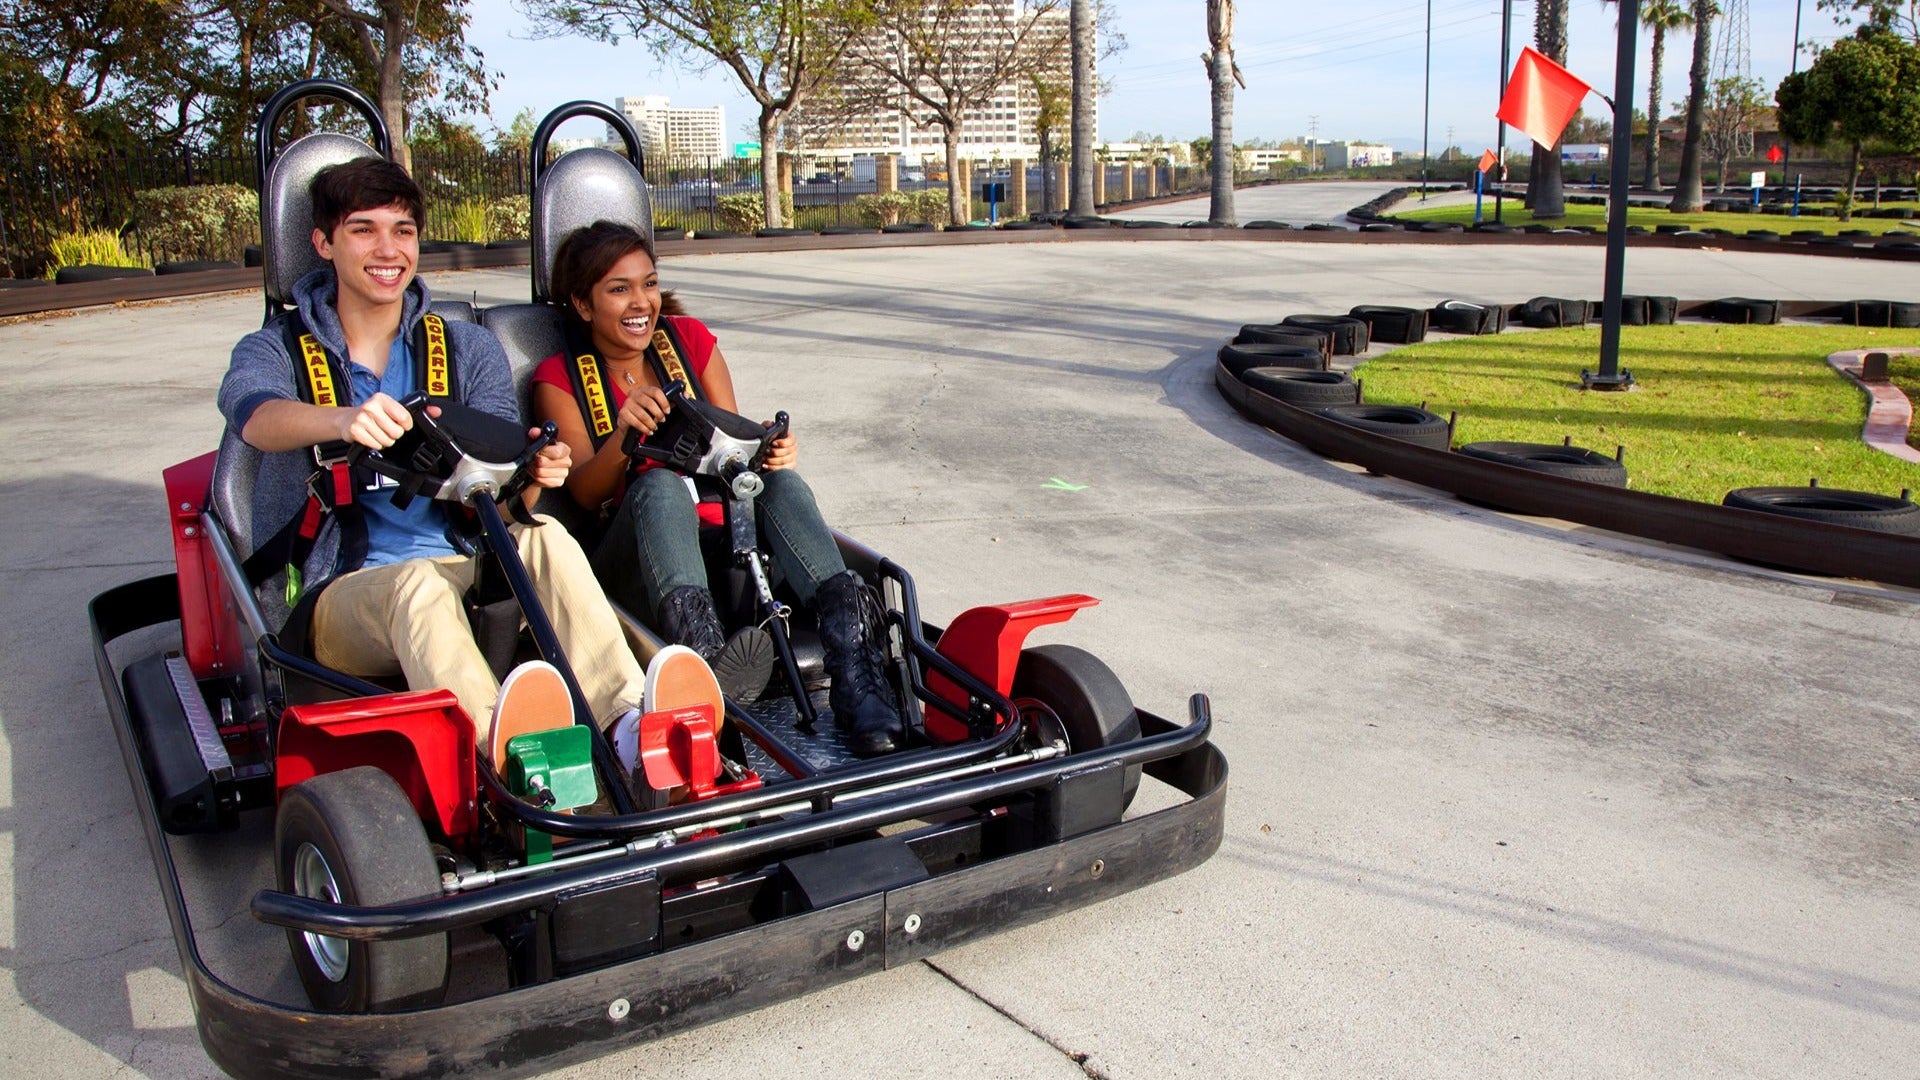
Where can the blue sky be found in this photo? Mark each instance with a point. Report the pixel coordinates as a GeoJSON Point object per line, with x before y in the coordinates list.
{"type": "Point", "coordinates": [1356, 65]}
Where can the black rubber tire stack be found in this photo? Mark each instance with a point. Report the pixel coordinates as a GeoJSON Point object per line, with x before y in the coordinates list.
{"type": "Point", "coordinates": [1899, 314]}
{"type": "Point", "coordinates": [1241, 358]}
{"type": "Point", "coordinates": [1745, 312]}
{"type": "Point", "coordinates": [1648, 310]}
{"type": "Point", "coordinates": [1552, 312]}
{"type": "Point", "coordinates": [1407, 423]}
{"type": "Point", "coordinates": [909, 227]}
{"type": "Point", "coordinates": [1393, 325]}
{"type": "Point", "coordinates": [1276, 334]}
{"type": "Point", "coordinates": [193, 266]}
{"type": "Point", "coordinates": [1570, 462]}
{"type": "Point", "coordinates": [1349, 335]}
{"type": "Point", "coordinates": [765, 233]}
{"type": "Point", "coordinates": [70, 275]}
{"type": "Point", "coordinates": [1306, 389]}
{"type": "Point", "coordinates": [1465, 317]}
{"type": "Point", "coordinates": [1266, 224]}
{"type": "Point", "coordinates": [1835, 506]}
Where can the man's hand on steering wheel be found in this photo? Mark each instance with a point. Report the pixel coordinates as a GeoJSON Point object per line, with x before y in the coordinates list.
{"type": "Point", "coordinates": [781, 453]}
{"type": "Point", "coordinates": [376, 424]}
{"type": "Point", "coordinates": [645, 410]}
{"type": "Point", "coordinates": [550, 467]}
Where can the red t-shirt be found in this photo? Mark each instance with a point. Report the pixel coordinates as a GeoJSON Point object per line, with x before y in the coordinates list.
{"type": "Point", "coordinates": [700, 344]}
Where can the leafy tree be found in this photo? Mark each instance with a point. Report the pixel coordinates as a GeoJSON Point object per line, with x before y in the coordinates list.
{"type": "Point", "coordinates": [1223, 73]}
{"type": "Point", "coordinates": [1737, 105]}
{"type": "Point", "coordinates": [411, 51]}
{"type": "Point", "coordinates": [780, 51]}
{"type": "Point", "coordinates": [1545, 195]}
{"type": "Point", "coordinates": [1055, 107]}
{"type": "Point", "coordinates": [1899, 18]}
{"type": "Point", "coordinates": [948, 57]}
{"type": "Point", "coordinates": [517, 136]}
{"type": "Point", "coordinates": [1689, 195]}
{"type": "Point", "coordinates": [1859, 89]}
{"type": "Point", "coordinates": [1587, 129]}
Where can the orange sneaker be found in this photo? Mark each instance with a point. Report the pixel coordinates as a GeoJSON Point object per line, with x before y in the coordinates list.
{"type": "Point", "coordinates": [677, 679]}
{"type": "Point", "coordinates": [533, 697]}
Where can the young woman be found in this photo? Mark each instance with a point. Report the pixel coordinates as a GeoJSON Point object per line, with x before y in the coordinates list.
{"type": "Point", "coordinates": [628, 338]}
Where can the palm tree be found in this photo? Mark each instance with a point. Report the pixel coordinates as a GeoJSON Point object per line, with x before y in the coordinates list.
{"type": "Point", "coordinates": [1223, 73]}
{"type": "Point", "coordinates": [1658, 16]}
{"type": "Point", "coordinates": [1545, 196]}
{"type": "Point", "coordinates": [1080, 183]}
{"type": "Point", "coordinates": [1689, 195]}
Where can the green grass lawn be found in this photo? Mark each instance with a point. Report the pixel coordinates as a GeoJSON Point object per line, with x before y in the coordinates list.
{"type": "Point", "coordinates": [1904, 372]}
{"type": "Point", "coordinates": [1717, 408]}
{"type": "Point", "coordinates": [1596, 216]}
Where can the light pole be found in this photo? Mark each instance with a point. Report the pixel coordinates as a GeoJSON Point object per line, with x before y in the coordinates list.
{"type": "Point", "coordinates": [1786, 150]}
{"type": "Point", "coordinates": [1426, 106]}
{"type": "Point", "coordinates": [1611, 375]}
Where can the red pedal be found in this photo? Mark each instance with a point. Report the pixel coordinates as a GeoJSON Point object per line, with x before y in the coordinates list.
{"type": "Point", "coordinates": [677, 749]}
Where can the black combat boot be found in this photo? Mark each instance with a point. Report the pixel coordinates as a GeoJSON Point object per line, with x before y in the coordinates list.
{"type": "Point", "coordinates": [852, 635]}
{"type": "Point", "coordinates": [742, 663]}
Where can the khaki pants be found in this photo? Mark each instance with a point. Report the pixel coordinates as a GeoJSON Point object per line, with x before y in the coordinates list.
{"type": "Point", "coordinates": [408, 619]}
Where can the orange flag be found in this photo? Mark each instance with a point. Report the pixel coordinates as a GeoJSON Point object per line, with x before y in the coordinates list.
{"type": "Point", "coordinates": [1541, 97]}
{"type": "Point", "coordinates": [1487, 160]}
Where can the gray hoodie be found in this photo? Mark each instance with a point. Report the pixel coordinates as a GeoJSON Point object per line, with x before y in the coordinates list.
{"type": "Point", "coordinates": [262, 370]}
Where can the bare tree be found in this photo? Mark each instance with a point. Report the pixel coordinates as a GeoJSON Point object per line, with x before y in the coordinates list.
{"type": "Point", "coordinates": [945, 58]}
{"type": "Point", "coordinates": [1223, 73]}
{"type": "Point", "coordinates": [781, 51]}
{"type": "Point", "coordinates": [1736, 106]}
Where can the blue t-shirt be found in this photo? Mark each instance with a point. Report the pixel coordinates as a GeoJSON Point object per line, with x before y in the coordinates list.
{"type": "Point", "coordinates": [395, 535]}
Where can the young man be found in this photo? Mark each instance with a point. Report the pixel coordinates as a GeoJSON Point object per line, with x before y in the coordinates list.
{"type": "Point", "coordinates": [394, 604]}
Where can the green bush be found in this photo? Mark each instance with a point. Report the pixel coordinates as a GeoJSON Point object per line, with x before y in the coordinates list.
{"type": "Point", "coordinates": [746, 212]}
{"type": "Point", "coordinates": [880, 208]}
{"type": "Point", "coordinates": [507, 218]}
{"type": "Point", "coordinates": [466, 221]}
{"type": "Point", "coordinates": [94, 247]}
{"type": "Point", "coordinates": [207, 221]}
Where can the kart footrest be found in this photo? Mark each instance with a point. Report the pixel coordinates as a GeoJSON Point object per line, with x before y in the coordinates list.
{"type": "Point", "coordinates": [190, 794]}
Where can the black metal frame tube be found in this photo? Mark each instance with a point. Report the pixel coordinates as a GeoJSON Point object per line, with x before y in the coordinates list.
{"type": "Point", "coordinates": [1616, 272]}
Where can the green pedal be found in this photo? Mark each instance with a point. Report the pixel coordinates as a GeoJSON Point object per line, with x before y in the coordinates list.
{"type": "Point", "coordinates": [553, 770]}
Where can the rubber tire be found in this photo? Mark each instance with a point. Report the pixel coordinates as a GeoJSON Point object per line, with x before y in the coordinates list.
{"type": "Point", "coordinates": [1093, 706]}
{"type": "Point", "coordinates": [73, 275]}
{"type": "Point", "coordinates": [1086, 223]}
{"type": "Point", "coordinates": [193, 266]}
{"type": "Point", "coordinates": [1306, 389]}
{"type": "Point", "coordinates": [1267, 223]}
{"type": "Point", "coordinates": [849, 230]}
{"type": "Point", "coordinates": [1744, 312]}
{"type": "Point", "coordinates": [1568, 462]}
{"type": "Point", "coordinates": [909, 227]}
{"type": "Point", "coordinates": [770, 233]}
{"type": "Point", "coordinates": [1275, 334]}
{"type": "Point", "coordinates": [1239, 359]}
{"type": "Point", "coordinates": [1348, 334]}
{"type": "Point", "coordinates": [1148, 225]}
{"type": "Point", "coordinates": [1552, 312]}
{"type": "Point", "coordinates": [1408, 423]}
{"type": "Point", "coordinates": [717, 234]}
{"type": "Point", "coordinates": [1465, 317]}
{"type": "Point", "coordinates": [1026, 226]}
{"type": "Point", "coordinates": [370, 837]}
{"type": "Point", "coordinates": [1834, 506]}
{"type": "Point", "coordinates": [1393, 325]}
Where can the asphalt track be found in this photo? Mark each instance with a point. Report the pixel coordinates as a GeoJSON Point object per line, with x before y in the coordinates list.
{"type": "Point", "coordinates": [1508, 799]}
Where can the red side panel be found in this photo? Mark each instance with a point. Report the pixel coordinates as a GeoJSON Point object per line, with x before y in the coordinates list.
{"type": "Point", "coordinates": [986, 642]}
{"type": "Point", "coordinates": [424, 740]}
{"type": "Point", "coordinates": [205, 627]}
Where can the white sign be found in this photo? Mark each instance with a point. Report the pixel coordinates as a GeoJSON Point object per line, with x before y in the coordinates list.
{"type": "Point", "coordinates": [1759, 179]}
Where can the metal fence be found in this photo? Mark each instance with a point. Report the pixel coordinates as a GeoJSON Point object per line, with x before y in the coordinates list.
{"type": "Point", "coordinates": [471, 195]}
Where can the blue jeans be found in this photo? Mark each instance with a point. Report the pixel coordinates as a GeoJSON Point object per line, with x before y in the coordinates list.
{"type": "Point", "coordinates": [652, 544]}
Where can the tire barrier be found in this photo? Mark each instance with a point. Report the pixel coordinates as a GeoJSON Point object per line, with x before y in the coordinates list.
{"type": "Point", "coordinates": [1392, 325]}
{"type": "Point", "coordinates": [859, 230]}
{"type": "Point", "coordinates": [1649, 310]}
{"type": "Point", "coordinates": [1276, 334]}
{"type": "Point", "coordinates": [1833, 506]}
{"type": "Point", "coordinates": [68, 275]}
{"type": "Point", "coordinates": [1745, 312]}
{"type": "Point", "coordinates": [1897, 314]}
{"type": "Point", "coordinates": [908, 227]}
{"type": "Point", "coordinates": [1566, 461]}
{"type": "Point", "coordinates": [1239, 358]}
{"type": "Point", "coordinates": [1349, 335]}
{"type": "Point", "coordinates": [1267, 224]}
{"type": "Point", "coordinates": [776, 232]}
{"type": "Point", "coordinates": [1462, 317]}
{"type": "Point", "coordinates": [193, 266]}
{"type": "Point", "coordinates": [1551, 312]}
{"type": "Point", "coordinates": [1407, 423]}
{"type": "Point", "coordinates": [1306, 389]}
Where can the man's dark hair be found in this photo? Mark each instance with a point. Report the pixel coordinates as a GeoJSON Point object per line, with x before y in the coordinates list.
{"type": "Point", "coordinates": [366, 183]}
{"type": "Point", "coordinates": [588, 254]}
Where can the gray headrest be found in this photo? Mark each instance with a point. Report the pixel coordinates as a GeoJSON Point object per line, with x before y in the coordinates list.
{"type": "Point", "coordinates": [580, 188]}
{"type": "Point", "coordinates": [286, 211]}
{"type": "Point", "coordinates": [529, 333]}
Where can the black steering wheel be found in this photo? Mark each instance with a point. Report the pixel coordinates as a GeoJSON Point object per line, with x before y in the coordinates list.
{"type": "Point", "coordinates": [702, 439]}
{"type": "Point", "coordinates": [460, 455]}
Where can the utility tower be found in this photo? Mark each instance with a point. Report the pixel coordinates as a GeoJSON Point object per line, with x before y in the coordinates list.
{"type": "Point", "coordinates": [1733, 59]}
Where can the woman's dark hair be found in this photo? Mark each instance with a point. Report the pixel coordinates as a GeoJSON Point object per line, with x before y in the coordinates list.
{"type": "Point", "coordinates": [366, 183]}
{"type": "Point", "coordinates": [587, 255]}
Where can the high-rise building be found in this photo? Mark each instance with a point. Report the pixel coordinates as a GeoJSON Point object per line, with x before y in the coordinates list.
{"type": "Point", "coordinates": [674, 133]}
{"type": "Point", "coordinates": [885, 120]}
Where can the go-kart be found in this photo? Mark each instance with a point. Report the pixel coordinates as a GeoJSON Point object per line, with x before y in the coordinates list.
{"type": "Point", "coordinates": [447, 916]}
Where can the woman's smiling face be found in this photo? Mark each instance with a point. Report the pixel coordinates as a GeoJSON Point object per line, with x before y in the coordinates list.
{"type": "Point", "coordinates": [622, 307]}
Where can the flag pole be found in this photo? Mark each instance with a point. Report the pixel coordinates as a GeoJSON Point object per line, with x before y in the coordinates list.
{"type": "Point", "coordinates": [1611, 376]}
{"type": "Point", "coordinates": [1506, 65]}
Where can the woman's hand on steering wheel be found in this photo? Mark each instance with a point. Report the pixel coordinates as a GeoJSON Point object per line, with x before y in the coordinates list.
{"type": "Point", "coordinates": [645, 410]}
{"type": "Point", "coordinates": [782, 453]}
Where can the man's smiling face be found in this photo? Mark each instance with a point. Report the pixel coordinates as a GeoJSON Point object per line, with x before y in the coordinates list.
{"type": "Point", "coordinates": [374, 253]}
